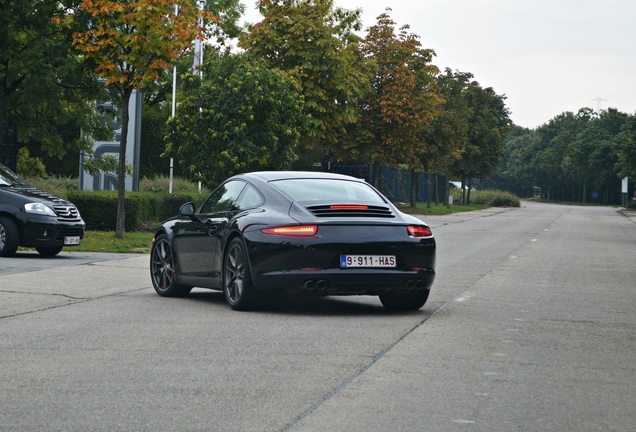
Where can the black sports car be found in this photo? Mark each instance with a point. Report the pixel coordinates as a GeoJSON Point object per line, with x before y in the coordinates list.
{"type": "Point", "coordinates": [33, 218]}
{"type": "Point", "coordinates": [298, 232]}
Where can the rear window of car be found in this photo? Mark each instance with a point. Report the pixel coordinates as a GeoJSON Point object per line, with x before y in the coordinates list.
{"type": "Point", "coordinates": [327, 190]}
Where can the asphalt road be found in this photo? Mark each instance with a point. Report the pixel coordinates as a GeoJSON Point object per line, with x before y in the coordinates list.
{"type": "Point", "coordinates": [530, 326]}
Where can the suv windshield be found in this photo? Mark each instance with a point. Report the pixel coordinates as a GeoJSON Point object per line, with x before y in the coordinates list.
{"type": "Point", "coordinates": [8, 177]}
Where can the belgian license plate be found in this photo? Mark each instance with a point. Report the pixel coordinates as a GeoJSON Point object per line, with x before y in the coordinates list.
{"type": "Point", "coordinates": [367, 261]}
{"type": "Point", "coordinates": [72, 240]}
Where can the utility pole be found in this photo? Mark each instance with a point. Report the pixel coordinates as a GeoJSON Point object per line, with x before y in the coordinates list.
{"type": "Point", "coordinates": [196, 68]}
{"type": "Point", "coordinates": [174, 107]}
{"type": "Point", "coordinates": [198, 45]}
{"type": "Point", "coordinates": [599, 100]}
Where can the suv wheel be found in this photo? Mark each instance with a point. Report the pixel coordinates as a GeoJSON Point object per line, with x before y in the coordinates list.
{"type": "Point", "coordinates": [8, 237]}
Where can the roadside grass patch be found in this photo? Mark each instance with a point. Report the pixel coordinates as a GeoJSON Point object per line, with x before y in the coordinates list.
{"type": "Point", "coordinates": [105, 241]}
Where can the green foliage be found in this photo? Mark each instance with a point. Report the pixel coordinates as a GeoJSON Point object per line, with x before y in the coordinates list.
{"type": "Point", "coordinates": [488, 125]}
{"type": "Point", "coordinates": [404, 97]}
{"type": "Point", "coordinates": [571, 156]}
{"type": "Point", "coordinates": [494, 198]}
{"type": "Point", "coordinates": [625, 145]}
{"type": "Point", "coordinates": [99, 209]}
{"type": "Point", "coordinates": [57, 185]}
{"type": "Point", "coordinates": [447, 134]}
{"type": "Point", "coordinates": [150, 206]}
{"type": "Point", "coordinates": [131, 44]}
{"type": "Point", "coordinates": [30, 166]}
{"type": "Point", "coordinates": [315, 45]}
{"type": "Point", "coordinates": [311, 85]}
{"type": "Point", "coordinates": [60, 186]}
{"type": "Point", "coordinates": [153, 132]}
{"type": "Point", "coordinates": [143, 209]}
{"type": "Point", "coordinates": [439, 210]}
{"type": "Point", "coordinates": [105, 241]}
{"type": "Point", "coordinates": [161, 183]}
{"type": "Point", "coordinates": [47, 93]}
{"type": "Point", "coordinates": [242, 116]}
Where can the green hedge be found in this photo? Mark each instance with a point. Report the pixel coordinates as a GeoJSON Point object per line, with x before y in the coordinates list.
{"type": "Point", "coordinates": [494, 198]}
{"type": "Point", "coordinates": [143, 209]}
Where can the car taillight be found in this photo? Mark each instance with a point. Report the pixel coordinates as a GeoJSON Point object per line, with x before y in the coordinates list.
{"type": "Point", "coordinates": [419, 231]}
{"type": "Point", "coordinates": [294, 230]}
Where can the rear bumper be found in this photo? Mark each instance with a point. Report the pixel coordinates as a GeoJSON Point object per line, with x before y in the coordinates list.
{"type": "Point", "coordinates": [345, 281]}
{"type": "Point", "coordinates": [312, 265]}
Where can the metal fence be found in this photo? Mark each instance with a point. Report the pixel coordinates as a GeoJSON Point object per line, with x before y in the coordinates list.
{"type": "Point", "coordinates": [395, 183]}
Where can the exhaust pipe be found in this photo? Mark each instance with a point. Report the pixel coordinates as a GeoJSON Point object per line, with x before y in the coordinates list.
{"type": "Point", "coordinates": [310, 285]}
{"type": "Point", "coordinates": [321, 284]}
{"type": "Point", "coordinates": [419, 284]}
{"type": "Point", "coordinates": [410, 284]}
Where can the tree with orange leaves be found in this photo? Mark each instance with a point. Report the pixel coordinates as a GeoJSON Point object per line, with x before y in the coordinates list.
{"type": "Point", "coordinates": [404, 97]}
{"type": "Point", "coordinates": [131, 42]}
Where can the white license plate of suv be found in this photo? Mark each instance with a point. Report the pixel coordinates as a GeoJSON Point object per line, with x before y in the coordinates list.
{"type": "Point", "coordinates": [72, 240]}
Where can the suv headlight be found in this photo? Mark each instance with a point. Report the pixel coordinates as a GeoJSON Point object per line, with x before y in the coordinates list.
{"type": "Point", "coordinates": [39, 208]}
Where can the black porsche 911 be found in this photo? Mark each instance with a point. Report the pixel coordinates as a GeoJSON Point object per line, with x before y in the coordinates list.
{"type": "Point", "coordinates": [297, 232]}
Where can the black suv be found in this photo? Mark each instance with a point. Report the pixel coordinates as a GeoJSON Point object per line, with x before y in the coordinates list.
{"type": "Point", "coordinates": [32, 218]}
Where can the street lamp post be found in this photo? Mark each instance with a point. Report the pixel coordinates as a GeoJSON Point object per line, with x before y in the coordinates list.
{"type": "Point", "coordinates": [174, 106]}
{"type": "Point", "coordinates": [196, 68]}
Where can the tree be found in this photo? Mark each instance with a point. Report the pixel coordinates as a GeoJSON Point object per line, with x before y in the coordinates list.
{"type": "Point", "coordinates": [404, 97]}
{"type": "Point", "coordinates": [571, 156]}
{"type": "Point", "coordinates": [590, 160]}
{"type": "Point", "coordinates": [447, 134]}
{"type": "Point", "coordinates": [131, 43]}
{"type": "Point", "coordinates": [515, 173]}
{"type": "Point", "coordinates": [625, 143]}
{"type": "Point", "coordinates": [241, 116]}
{"type": "Point", "coordinates": [47, 92]}
{"type": "Point", "coordinates": [488, 125]}
{"type": "Point", "coordinates": [314, 44]}
{"type": "Point", "coordinates": [549, 151]}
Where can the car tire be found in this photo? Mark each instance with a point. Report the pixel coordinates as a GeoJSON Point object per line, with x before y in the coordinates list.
{"type": "Point", "coordinates": [9, 238]}
{"type": "Point", "coordinates": [162, 270]}
{"type": "Point", "coordinates": [48, 251]}
{"type": "Point", "coordinates": [238, 288]}
{"type": "Point", "coordinates": [404, 302]}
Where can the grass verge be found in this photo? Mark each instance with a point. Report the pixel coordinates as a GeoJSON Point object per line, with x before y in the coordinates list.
{"type": "Point", "coordinates": [105, 241]}
{"type": "Point", "coordinates": [439, 209]}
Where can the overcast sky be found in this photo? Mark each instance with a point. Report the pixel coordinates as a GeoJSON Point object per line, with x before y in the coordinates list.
{"type": "Point", "coordinates": [546, 56]}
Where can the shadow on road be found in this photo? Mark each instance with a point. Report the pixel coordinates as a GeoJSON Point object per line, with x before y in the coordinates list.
{"type": "Point", "coordinates": [282, 304]}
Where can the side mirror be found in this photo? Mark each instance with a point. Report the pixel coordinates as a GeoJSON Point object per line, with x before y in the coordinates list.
{"type": "Point", "coordinates": [187, 209]}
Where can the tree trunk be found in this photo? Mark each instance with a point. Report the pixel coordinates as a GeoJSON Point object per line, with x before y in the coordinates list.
{"type": "Point", "coordinates": [429, 198]}
{"type": "Point", "coordinates": [462, 191]}
{"type": "Point", "coordinates": [376, 174]}
{"type": "Point", "coordinates": [120, 230]}
{"type": "Point", "coordinates": [446, 191]}
{"type": "Point", "coordinates": [7, 146]}
{"type": "Point", "coordinates": [436, 189]}
{"type": "Point", "coordinates": [413, 188]}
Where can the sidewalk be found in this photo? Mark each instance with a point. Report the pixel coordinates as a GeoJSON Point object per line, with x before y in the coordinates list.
{"type": "Point", "coordinates": [435, 221]}
{"type": "Point", "coordinates": [629, 214]}
{"type": "Point", "coordinates": [22, 293]}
